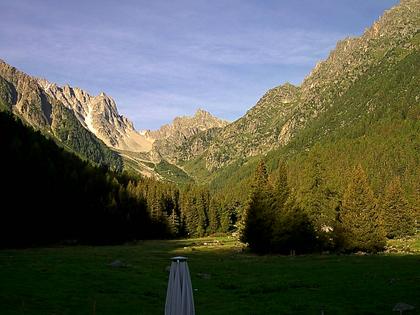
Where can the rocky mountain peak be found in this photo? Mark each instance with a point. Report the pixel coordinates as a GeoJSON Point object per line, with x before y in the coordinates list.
{"type": "Point", "coordinates": [201, 113]}
{"type": "Point", "coordinates": [188, 125]}
{"type": "Point", "coordinates": [170, 137]}
{"type": "Point", "coordinates": [5, 67]}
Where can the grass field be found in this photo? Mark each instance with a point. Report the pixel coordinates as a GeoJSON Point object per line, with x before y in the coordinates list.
{"type": "Point", "coordinates": [226, 280]}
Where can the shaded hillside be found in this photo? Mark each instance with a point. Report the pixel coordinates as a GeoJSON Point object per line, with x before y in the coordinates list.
{"type": "Point", "coordinates": [50, 195]}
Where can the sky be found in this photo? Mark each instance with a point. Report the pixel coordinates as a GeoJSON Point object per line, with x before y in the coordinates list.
{"type": "Point", "coordinates": [160, 59]}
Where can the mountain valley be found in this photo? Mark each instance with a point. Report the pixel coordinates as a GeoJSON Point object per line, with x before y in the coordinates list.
{"type": "Point", "coordinates": [360, 106]}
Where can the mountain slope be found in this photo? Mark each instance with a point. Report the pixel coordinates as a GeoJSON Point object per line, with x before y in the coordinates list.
{"type": "Point", "coordinates": [376, 124]}
{"type": "Point", "coordinates": [171, 140]}
{"type": "Point", "coordinates": [360, 106]}
{"type": "Point", "coordinates": [23, 95]}
{"type": "Point", "coordinates": [293, 117]}
{"type": "Point", "coordinates": [173, 143]}
{"type": "Point", "coordinates": [91, 125]}
{"type": "Point", "coordinates": [260, 130]}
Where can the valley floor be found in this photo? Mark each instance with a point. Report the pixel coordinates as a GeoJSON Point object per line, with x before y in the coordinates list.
{"type": "Point", "coordinates": [226, 280]}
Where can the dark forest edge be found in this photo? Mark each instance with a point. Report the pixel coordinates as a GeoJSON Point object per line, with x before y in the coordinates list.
{"type": "Point", "coordinates": [54, 197]}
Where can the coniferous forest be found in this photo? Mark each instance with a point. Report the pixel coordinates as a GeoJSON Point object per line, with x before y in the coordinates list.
{"type": "Point", "coordinates": [330, 165]}
{"type": "Point", "coordinates": [273, 221]}
{"type": "Point", "coordinates": [51, 196]}
{"type": "Point", "coordinates": [54, 197]}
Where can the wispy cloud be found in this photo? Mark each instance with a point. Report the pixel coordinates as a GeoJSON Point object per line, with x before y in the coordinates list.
{"type": "Point", "coordinates": [160, 59]}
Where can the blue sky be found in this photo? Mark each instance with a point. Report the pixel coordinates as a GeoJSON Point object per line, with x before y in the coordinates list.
{"type": "Point", "coordinates": [161, 59]}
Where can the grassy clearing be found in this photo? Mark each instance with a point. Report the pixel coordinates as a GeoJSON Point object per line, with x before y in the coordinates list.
{"type": "Point", "coordinates": [227, 280]}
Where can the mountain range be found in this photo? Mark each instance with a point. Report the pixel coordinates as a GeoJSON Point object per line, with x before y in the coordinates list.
{"type": "Point", "coordinates": [91, 125]}
{"type": "Point", "coordinates": [360, 105]}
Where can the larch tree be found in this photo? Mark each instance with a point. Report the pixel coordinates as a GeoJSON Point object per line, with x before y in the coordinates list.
{"type": "Point", "coordinates": [397, 215]}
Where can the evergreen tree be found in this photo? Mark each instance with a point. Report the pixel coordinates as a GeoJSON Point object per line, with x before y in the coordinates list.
{"type": "Point", "coordinates": [201, 206]}
{"type": "Point", "coordinates": [190, 213]}
{"type": "Point", "coordinates": [174, 224]}
{"type": "Point", "coordinates": [315, 197]}
{"type": "Point", "coordinates": [156, 212]}
{"type": "Point", "coordinates": [257, 218]}
{"type": "Point", "coordinates": [281, 188]}
{"type": "Point", "coordinates": [214, 216]}
{"type": "Point", "coordinates": [398, 218]}
{"type": "Point", "coordinates": [292, 229]}
{"type": "Point", "coordinates": [361, 223]}
{"type": "Point", "coordinates": [229, 216]}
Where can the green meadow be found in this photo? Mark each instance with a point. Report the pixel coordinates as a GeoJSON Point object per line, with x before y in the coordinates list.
{"type": "Point", "coordinates": [226, 280]}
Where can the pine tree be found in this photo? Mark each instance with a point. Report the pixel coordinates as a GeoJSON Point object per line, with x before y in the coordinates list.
{"type": "Point", "coordinates": [229, 216]}
{"type": "Point", "coordinates": [360, 219]}
{"type": "Point", "coordinates": [281, 225]}
{"type": "Point", "coordinates": [293, 231]}
{"type": "Point", "coordinates": [156, 211]}
{"type": "Point", "coordinates": [260, 176]}
{"type": "Point", "coordinates": [397, 215]}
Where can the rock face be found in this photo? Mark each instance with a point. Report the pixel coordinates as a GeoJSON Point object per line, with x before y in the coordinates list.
{"type": "Point", "coordinates": [100, 116]}
{"type": "Point", "coordinates": [185, 134]}
{"type": "Point", "coordinates": [185, 126]}
{"type": "Point", "coordinates": [285, 111]}
{"type": "Point", "coordinates": [24, 96]}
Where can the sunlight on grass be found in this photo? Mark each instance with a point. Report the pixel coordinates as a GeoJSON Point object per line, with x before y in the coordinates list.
{"type": "Point", "coordinates": [404, 246]}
